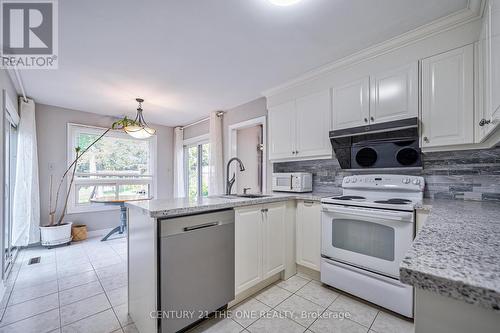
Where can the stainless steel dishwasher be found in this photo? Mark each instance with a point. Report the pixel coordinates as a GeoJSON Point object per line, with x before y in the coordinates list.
{"type": "Point", "coordinates": [196, 267]}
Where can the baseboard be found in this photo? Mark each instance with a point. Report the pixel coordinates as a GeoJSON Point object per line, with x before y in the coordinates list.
{"type": "Point", "coordinates": [310, 273]}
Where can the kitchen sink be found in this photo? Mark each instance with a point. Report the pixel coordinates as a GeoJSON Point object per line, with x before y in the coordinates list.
{"type": "Point", "coordinates": [248, 195]}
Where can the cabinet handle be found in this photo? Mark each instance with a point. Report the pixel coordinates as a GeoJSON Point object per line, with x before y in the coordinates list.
{"type": "Point", "coordinates": [264, 210]}
{"type": "Point", "coordinates": [426, 139]}
{"type": "Point", "coordinates": [308, 203]}
{"type": "Point", "coordinates": [293, 152]}
{"type": "Point", "coordinates": [372, 119]}
{"type": "Point", "coordinates": [484, 122]}
{"type": "Point", "coordinates": [296, 152]}
{"type": "Point", "coordinates": [366, 120]}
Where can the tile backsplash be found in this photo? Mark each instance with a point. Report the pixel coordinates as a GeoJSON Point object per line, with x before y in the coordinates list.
{"type": "Point", "coordinates": [468, 174]}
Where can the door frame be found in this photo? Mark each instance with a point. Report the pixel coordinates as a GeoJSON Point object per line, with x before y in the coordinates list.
{"type": "Point", "coordinates": [233, 143]}
{"type": "Point", "coordinates": [9, 115]}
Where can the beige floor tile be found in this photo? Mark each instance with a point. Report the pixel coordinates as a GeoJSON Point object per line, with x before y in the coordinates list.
{"type": "Point", "coordinates": [300, 310]}
{"type": "Point", "coordinates": [273, 323]}
{"type": "Point", "coordinates": [388, 323]}
{"type": "Point", "coordinates": [20, 295]}
{"type": "Point", "coordinates": [248, 312]}
{"type": "Point", "coordinates": [273, 296]}
{"type": "Point", "coordinates": [41, 323]}
{"type": "Point", "coordinates": [317, 293]}
{"type": "Point", "coordinates": [329, 322]}
{"type": "Point", "coordinates": [30, 308]}
{"type": "Point", "coordinates": [293, 284]}
{"type": "Point", "coordinates": [84, 308]}
{"type": "Point", "coordinates": [102, 322]}
{"type": "Point", "coordinates": [361, 313]}
{"type": "Point", "coordinates": [75, 294]}
{"type": "Point", "coordinates": [121, 312]}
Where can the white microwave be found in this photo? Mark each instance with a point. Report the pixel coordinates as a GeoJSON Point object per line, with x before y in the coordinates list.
{"type": "Point", "coordinates": [292, 182]}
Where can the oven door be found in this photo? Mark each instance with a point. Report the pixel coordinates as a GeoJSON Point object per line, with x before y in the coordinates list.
{"type": "Point", "coordinates": [372, 239]}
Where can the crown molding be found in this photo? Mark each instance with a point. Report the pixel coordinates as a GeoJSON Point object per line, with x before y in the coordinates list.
{"type": "Point", "coordinates": [473, 11]}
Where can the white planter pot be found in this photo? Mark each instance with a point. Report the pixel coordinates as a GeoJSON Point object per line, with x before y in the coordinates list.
{"type": "Point", "coordinates": [56, 235]}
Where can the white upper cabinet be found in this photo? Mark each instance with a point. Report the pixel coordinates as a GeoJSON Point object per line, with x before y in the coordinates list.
{"type": "Point", "coordinates": [350, 104]}
{"type": "Point", "coordinates": [313, 125]}
{"type": "Point", "coordinates": [448, 98]}
{"type": "Point", "coordinates": [494, 7]}
{"type": "Point", "coordinates": [299, 128]}
{"type": "Point", "coordinates": [386, 96]}
{"type": "Point", "coordinates": [394, 94]}
{"type": "Point", "coordinates": [282, 131]}
{"type": "Point", "coordinates": [483, 124]}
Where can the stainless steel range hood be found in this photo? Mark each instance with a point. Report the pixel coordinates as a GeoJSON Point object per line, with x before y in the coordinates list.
{"type": "Point", "coordinates": [392, 144]}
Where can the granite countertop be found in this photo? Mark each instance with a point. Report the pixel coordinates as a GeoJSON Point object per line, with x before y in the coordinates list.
{"type": "Point", "coordinates": [457, 252]}
{"type": "Point", "coordinates": [161, 208]}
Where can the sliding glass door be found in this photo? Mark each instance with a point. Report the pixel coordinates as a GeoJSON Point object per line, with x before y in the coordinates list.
{"type": "Point", "coordinates": [10, 158]}
{"type": "Point", "coordinates": [196, 169]}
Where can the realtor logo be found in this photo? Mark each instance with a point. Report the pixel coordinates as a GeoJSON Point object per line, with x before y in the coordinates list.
{"type": "Point", "coordinates": [29, 34]}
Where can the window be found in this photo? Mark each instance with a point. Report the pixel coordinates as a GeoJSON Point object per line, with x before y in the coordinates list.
{"type": "Point", "coordinates": [196, 164]}
{"type": "Point", "coordinates": [117, 165]}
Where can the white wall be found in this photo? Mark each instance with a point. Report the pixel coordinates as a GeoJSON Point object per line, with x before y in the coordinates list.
{"type": "Point", "coordinates": [51, 125]}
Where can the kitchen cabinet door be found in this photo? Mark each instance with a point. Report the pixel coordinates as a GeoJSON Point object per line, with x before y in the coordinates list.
{"type": "Point", "coordinates": [394, 94]}
{"type": "Point", "coordinates": [350, 104]}
{"type": "Point", "coordinates": [313, 125]}
{"type": "Point", "coordinates": [248, 247]}
{"type": "Point", "coordinates": [274, 238]}
{"type": "Point", "coordinates": [494, 7]}
{"type": "Point", "coordinates": [309, 234]}
{"type": "Point", "coordinates": [282, 131]}
{"type": "Point", "coordinates": [483, 119]}
{"type": "Point", "coordinates": [448, 98]}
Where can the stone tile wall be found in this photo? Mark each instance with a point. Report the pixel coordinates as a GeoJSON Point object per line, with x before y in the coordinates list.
{"type": "Point", "coordinates": [468, 174]}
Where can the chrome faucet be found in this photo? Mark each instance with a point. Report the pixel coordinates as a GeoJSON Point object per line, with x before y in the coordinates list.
{"type": "Point", "coordinates": [230, 182]}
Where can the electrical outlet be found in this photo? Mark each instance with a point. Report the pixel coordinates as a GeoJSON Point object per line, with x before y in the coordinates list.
{"type": "Point", "coordinates": [51, 166]}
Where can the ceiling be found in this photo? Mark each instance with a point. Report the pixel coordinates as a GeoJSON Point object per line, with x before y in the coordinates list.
{"type": "Point", "coordinates": [188, 57]}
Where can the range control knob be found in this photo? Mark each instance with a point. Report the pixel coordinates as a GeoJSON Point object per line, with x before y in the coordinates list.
{"type": "Point", "coordinates": [347, 180]}
{"type": "Point", "coordinates": [406, 180]}
{"type": "Point", "coordinates": [416, 181]}
{"type": "Point", "coordinates": [354, 180]}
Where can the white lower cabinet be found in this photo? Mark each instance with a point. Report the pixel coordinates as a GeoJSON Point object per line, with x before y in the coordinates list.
{"type": "Point", "coordinates": [259, 243]}
{"type": "Point", "coordinates": [308, 223]}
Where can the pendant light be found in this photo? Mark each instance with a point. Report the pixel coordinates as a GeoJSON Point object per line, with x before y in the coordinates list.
{"type": "Point", "coordinates": [140, 129]}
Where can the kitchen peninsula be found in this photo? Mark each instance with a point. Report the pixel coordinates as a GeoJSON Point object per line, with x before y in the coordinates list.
{"type": "Point", "coordinates": [207, 234]}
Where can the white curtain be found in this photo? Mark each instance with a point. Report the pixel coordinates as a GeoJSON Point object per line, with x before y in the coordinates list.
{"type": "Point", "coordinates": [179, 162]}
{"type": "Point", "coordinates": [26, 203]}
{"type": "Point", "coordinates": [216, 169]}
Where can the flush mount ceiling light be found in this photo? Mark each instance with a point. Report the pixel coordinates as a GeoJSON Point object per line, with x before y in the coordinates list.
{"type": "Point", "coordinates": [284, 2]}
{"type": "Point", "coordinates": [139, 129]}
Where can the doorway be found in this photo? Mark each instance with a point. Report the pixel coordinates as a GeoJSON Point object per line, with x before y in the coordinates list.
{"type": "Point", "coordinates": [11, 122]}
{"type": "Point", "coordinates": [247, 141]}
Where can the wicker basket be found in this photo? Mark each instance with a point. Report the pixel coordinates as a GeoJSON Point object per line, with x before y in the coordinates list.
{"type": "Point", "coordinates": [79, 232]}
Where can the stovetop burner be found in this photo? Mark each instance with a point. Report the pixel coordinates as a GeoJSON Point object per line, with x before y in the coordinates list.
{"type": "Point", "coordinates": [395, 201]}
{"type": "Point", "coordinates": [349, 197]}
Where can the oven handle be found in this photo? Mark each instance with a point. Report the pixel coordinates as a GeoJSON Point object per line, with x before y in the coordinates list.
{"type": "Point", "coordinates": [386, 214]}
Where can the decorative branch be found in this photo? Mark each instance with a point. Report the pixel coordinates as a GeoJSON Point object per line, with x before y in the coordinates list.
{"type": "Point", "coordinates": [117, 125]}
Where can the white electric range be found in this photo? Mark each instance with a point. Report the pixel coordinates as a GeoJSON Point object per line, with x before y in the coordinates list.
{"type": "Point", "coordinates": [365, 234]}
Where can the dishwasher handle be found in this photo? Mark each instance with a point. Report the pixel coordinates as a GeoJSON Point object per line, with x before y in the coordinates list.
{"type": "Point", "coordinates": [201, 226]}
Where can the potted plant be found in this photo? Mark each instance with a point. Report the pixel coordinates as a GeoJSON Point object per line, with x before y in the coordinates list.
{"type": "Point", "coordinates": [58, 231]}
